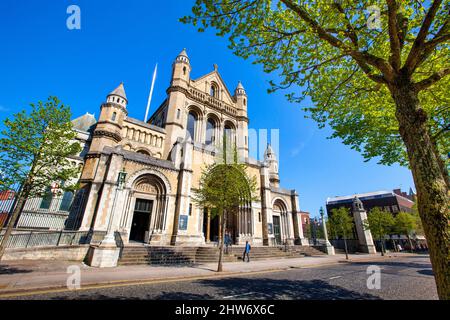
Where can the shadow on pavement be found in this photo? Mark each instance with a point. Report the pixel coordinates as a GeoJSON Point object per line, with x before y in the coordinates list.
{"type": "Point", "coordinates": [261, 289]}
{"type": "Point", "coordinates": [12, 270]}
{"type": "Point", "coordinates": [416, 265]}
{"type": "Point", "coordinates": [426, 272]}
{"type": "Point", "coordinates": [266, 288]}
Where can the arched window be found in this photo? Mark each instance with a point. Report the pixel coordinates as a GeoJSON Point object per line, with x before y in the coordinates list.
{"type": "Point", "coordinates": [114, 116]}
{"type": "Point", "coordinates": [214, 91]}
{"type": "Point", "coordinates": [192, 124]}
{"type": "Point", "coordinates": [210, 131]}
{"type": "Point", "coordinates": [46, 199]}
{"type": "Point", "coordinates": [144, 152]}
{"type": "Point", "coordinates": [229, 134]}
{"type": "Point", "coordinates": [66, 201]}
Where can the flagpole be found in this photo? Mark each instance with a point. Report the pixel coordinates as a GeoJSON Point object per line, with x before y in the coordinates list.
{"type": "Point", "coordinates": [151, 93]}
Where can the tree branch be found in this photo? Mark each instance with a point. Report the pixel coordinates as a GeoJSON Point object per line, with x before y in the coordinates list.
{"type": "Point", "coordinates": [428, 82]}
{"type": "Point", "coordinates": [414, 56]}
{"type": "Point", "coordinates": [363, 59]}
{"type": "Point", "coordinates": [395, 58]}
{"type": "Point", "coordinates": [350, 30]}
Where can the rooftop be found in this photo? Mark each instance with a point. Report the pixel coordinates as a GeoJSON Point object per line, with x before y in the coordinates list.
{"type": "Point", "coordinates": [365, 196]}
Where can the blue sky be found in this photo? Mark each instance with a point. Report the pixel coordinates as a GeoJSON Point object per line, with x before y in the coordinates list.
{"type": "Point", "coordinates": [123, 40]}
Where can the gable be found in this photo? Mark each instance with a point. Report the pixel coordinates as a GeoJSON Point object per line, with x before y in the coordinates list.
{"type": "Point", "coordinates": [204, 84]}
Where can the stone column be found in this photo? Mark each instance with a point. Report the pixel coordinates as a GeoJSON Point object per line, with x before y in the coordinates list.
{"type": "Point", "coordinates": [208, 226]}
{"type": "Point", "coordinates": [328, 247]}
{"type": "Point", "coordinates": [364, 236]}
{"type": "Point", "coordinates": [266, 199]}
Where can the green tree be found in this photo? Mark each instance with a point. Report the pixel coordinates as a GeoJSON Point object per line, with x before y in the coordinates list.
{"type": "Point", "coordinates": [34, 152]}
{"type": "Point", "coordinates": [307, 232]}
{"type": "Point", "coordinates": [341, 224]}
{"type": "Point", "coordinates": [381, 83]}
{"type": "Point", "coordinates": [380, 224]}
{"type": "Point", "coordinates": [225, 186]}
{"type": "Point", "coordinates": [405, 223]}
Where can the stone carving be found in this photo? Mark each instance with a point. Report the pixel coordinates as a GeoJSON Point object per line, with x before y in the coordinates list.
{"type": "Point", "coordinates": [146, 187]}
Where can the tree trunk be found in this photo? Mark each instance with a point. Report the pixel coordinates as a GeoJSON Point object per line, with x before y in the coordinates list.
{"type": "Point", "coordinates": [410, 243]}
{"type": "Point", "coordinates": [395, 246]}
{"type": "Point", "coordinates": [345, 246]}
{"type": "Point", "coordinates": [382, 247]}
{"type": "Point", "coordinates": [429, 178]}
{"type": "Point", "coordinates": [12, 221]}
{"type": "Point", "coordinates": [221, 240]}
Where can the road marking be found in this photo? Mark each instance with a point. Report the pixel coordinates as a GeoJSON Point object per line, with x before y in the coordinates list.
{"type": "Point", "coordinates": [337, 277]}
{"type": "Point", "coordinates": [238, 295]}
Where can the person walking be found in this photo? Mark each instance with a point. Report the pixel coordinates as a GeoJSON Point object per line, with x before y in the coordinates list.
{"type": "Point", "coordinates": [227, 242]}
{"type": "Point", "coordinates": [247, 252]}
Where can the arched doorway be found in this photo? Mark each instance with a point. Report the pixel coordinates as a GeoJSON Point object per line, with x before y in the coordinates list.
{"type": "Point", "coordinates": [150, 203]}
{"type": "Point", "coordinates": [280, 222]}
{"type": "Point", "coordinates": [239, 221]}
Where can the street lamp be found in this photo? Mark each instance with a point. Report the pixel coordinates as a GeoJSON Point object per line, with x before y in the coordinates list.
{"type": "Point", "coordinates": [121, 179]}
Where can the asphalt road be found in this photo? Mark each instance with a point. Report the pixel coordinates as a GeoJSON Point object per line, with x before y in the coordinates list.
{"type": "Point", "coordinates": [401, 278]}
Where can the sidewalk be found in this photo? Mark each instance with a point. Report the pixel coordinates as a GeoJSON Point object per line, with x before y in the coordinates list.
{"type": "Point", "coordinates": [30, 276]}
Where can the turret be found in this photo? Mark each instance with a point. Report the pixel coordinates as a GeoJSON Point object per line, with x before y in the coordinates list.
{"type": "Point", "coordinates": [241, 99]}
{"type": "Point", "coordinates": [271, 159]}
{"type": "Point", "coordinates": [181, 70]}
{"type": "Point", "coordinates": [176, 116]}
{"type": "Point", "coordinates": [108, 131]}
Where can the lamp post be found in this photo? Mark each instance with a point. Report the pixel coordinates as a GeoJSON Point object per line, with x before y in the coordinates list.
{"type": "Point", "coordinates": [329, 247]}
{"type": "Point", "coordinates": [110, 238]}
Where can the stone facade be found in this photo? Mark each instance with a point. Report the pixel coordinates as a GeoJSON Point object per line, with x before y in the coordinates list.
{"type": "Point", "coordinates": [162, 161]}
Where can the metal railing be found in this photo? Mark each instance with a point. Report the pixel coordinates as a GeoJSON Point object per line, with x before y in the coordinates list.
{"type": "Point", "coordinates": [119, 242]}
{"type": "Point", "coordinates": [33, 239]}
{"type": "Point", "coordinates": [30, 239]}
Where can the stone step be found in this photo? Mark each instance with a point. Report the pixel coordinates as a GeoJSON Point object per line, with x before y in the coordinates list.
{"type": "Point", "coordinates": [154, 255]}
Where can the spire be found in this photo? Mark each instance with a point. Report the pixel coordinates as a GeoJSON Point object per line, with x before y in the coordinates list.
{"type": "Point", "coordinates": [270, 154]}
{"type": "Point", "coordinates": [182, 57]}
{"type": "Point", "coordinates": [119, 91]}
{"type": "Point", "coordinates": [183, 53]}
{"type": "Point", "coordinates": [240, 89]}
{"type": "Point", "coordinates": [118, 96]}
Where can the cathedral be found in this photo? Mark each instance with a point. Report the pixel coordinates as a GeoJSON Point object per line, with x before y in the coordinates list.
{"type": "Point", "coordinates": [137, 177]}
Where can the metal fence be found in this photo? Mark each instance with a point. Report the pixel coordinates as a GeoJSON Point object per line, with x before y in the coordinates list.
{"type": "Point", "coordinates": [31, 239]}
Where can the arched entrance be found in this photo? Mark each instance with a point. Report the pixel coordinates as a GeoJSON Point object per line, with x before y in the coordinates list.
{"type": "Point", "coordinates": [239, 222]}
{"type": "Point", "coordinates": [150, 204]}
{"type": "Point", "coordinates": [280, 222]}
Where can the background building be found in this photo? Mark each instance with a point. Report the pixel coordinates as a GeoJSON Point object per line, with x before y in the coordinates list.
{"type": "Point", "coordinates": [393, 201]}
{"type": "Point", "coordinates": [359, 205]}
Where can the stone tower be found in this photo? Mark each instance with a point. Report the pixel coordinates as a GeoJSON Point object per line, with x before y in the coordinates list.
{"type": "Point", "coordinates": [364, 236]}
{"type": "Point", "coordinates": [271, 159]}
{"type": "Point", "coordinates": [242, 121]}
{"type": "Point", "coordinates": [108, 131]}
{"type": "Point", "coordinates": [175, 118]}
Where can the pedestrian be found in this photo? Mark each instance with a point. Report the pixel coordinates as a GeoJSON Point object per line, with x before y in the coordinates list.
{"type": "Point", "coordinates": [246, 252]}
{"type": "Point", "coordinates": [227, 242]}
{"type": "Point", "coordinates": [399, 247]}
